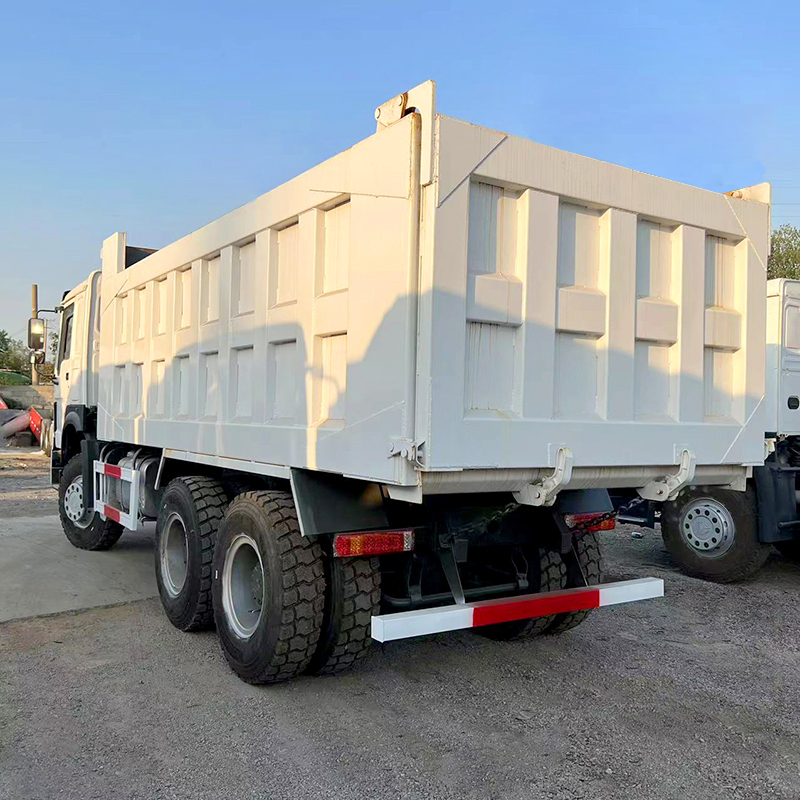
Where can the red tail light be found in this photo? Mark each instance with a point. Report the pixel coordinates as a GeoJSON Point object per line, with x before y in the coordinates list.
{"type": "Point", "coordinates": [372, 543]}
{"type": "Point", "coordinates": [582, 519]}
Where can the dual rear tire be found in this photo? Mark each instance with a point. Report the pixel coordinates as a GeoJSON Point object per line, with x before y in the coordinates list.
{"type": "Point", "coordinates": [279, 607]}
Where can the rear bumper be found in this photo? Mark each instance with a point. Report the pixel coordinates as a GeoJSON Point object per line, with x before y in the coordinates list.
{"type": "Point", "coordinates": [406, 624]}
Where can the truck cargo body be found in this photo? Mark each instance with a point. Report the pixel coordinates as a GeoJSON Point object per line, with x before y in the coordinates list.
{"type": "Point", "coordinates": [446, 307]}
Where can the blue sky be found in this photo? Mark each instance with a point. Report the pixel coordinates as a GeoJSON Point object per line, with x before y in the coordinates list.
{"type": "Point", "coordinates": [154, 118]}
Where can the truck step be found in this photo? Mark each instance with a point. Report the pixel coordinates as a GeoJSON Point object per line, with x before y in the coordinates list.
{"type": "Point", "coordinates": [406, 624]}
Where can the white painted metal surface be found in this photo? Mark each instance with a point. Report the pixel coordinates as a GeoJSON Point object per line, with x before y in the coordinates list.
{"type": "Point", "coordinates": [783, 357]}
{"type": "Point", "coordinates": [443, 298]}
{"type": "Point", "coordinates": [407, 624]}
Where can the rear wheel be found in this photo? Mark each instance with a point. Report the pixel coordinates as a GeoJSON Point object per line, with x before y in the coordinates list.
{"type": "Point", "coordinates": [85, 528]}
{"type": "Point", "coordinates": [268, 589]}
{"type": "Point", "coordinates": [546, 573]}
{"type": "Point", "coordinates": [352, 596]}
{"type": "Point", "coordinates": [712, 533]}
{"type": "Point", "coordinates": [190, 515]}
{"type": "Point", "coordinates": [586, 548]}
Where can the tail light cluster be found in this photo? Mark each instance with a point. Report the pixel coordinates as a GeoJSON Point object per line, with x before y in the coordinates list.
{"type": "Point", "coordinates": [583, 519]}
{"type": "Point", "coordinates": [373, 543]}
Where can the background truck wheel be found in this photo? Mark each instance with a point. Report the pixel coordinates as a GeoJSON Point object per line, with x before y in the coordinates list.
{"type": "Point", "coordinates": [268, 589]}
{"type": "Point", "coordinates": [590, 560]}
{"type": "Point", "coordinates": [352, 596]}
{"type": "Point", "coordinates": [712, 533]}
{"type": "Point", "coordinates": [191, 512]}
{"type": "Point", "coordinates": [85, 529]}
{"type": "Point", "coordinates": [547, 573]}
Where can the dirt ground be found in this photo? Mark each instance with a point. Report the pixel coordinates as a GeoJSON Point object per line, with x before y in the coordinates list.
{"type": "Point", "coordinates": [691, 696]}
{"type": "Point", "coordinates": [25, 489]}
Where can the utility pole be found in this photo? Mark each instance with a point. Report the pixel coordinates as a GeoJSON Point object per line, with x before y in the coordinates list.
{"type": "Point", "coordinates": [34, 314]}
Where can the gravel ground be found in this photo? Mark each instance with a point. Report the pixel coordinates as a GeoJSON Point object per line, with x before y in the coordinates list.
{"type": "Point", "coordinates": [692, 696]}
{"type": "Point", "coordinates": [25, 489]}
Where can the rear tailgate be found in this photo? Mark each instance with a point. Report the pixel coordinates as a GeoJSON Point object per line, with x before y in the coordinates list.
{"type": "Point", "coordinates": [568, 302]}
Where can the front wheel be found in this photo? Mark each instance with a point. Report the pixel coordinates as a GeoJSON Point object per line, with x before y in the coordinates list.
{"type": "Point", "coordinates": [85, 528]}
{"type": "Point", "coordinates": [712, 533]}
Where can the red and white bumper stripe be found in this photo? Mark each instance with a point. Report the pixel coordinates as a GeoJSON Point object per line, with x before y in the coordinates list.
{"type": "Point", "coordinates": [405, 624]}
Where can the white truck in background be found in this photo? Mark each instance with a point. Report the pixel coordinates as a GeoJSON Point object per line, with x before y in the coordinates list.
{"type": "Point", "coordinates": [724, 536]}
{"type": "Point", "coordinates": [389, 397]}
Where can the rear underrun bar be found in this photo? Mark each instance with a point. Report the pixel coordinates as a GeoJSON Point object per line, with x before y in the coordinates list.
{"type": "Point", "coordinates": [406, 624]}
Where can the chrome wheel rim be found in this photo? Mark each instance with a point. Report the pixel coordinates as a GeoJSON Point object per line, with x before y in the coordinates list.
{"type": "Point", "coordinates": [73, 504]}
{"type": "Point", "coordinates": [707, 527]}
{"type": "Point", "coordinates": [243, 586]}
{"type": "Point", "coordinates": [174, 554]}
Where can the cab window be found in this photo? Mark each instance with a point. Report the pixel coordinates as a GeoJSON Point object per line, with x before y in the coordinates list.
{"type": "Point", "coordinates": [65, 345]}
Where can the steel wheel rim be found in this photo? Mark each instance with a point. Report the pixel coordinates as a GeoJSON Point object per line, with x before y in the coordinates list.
{"type": "Point", "coordinates": [707, 527]}
{"type": "Point", "coordinates": [174, 555]}
{"type": "Point", "coordinates": [243, 586]}
{"type": "Point", "coordinates": [73, 505]}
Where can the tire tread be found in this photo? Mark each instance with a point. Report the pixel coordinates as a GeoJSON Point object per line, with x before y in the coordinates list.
{"type": "Point", "coordinates": [303, 584]}
{"type": "Point", "coordinates": [590, 557]}
{"type": "Point", "coordinates": [210, 501]}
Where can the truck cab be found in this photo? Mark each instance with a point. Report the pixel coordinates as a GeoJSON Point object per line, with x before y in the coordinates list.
{"type": "Point", "coordinates": [77, 365]}
{"type": "Point", "coordinates": [75, 380]}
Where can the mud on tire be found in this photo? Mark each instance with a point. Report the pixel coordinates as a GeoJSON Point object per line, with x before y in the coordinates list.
{"type": "Point", "coordinates": [268, 589]}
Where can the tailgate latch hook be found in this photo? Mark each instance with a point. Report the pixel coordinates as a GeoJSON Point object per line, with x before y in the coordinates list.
{"type": "Point", "coordinates": [668, 487]}
{"type": "Point", "coordinates": [544, 493]}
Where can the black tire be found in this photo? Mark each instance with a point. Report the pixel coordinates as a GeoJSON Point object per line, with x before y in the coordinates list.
{"type": "Point", "coordinates": [743, 558]}
{"type": "Point", "coordinates": [547, 573]}
{"type": "Point", "coordinates": [191, 512]}
{"type": "Point", "coordinates": [286, 630]}
{"type": "Point", "coordinates": [352, 596]}
{"type": "Point", "coordinates": [590, 560]}
{"type": "Point", "coordinates": [99, 534]}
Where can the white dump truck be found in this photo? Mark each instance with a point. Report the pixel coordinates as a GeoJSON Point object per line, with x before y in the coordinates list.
{"type": "Point", "coordinates": [389, 397]}
{"type": "Point", "coordinates": [720, 535]}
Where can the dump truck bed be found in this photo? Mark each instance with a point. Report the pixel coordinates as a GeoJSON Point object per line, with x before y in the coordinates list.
{"type": "Point", "coordinates": [449, 308]}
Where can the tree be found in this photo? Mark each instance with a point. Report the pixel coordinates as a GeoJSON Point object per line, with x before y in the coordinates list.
{"type": "Point", "coordinates": [784, 258]}
{"type": "Point", "coordinates": [13, 354]}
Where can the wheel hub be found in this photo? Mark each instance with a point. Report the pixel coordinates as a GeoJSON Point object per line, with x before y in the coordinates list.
{"type": "Point", "coordinates": [73, 504]}
{"type": "Point", "coordinates": [243, 586]}
{"type": "Point", "coordinates": [707, 527]}
{"type": "Point", "coordinates": [174, 555]}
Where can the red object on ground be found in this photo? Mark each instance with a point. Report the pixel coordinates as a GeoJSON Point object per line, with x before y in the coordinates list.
{"type": "Point", "coordinates": [36, 424]}
{"type": "Point", "coordinates": [3, 403]}
{"type": "Point", "coordinates": [16, 425]}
